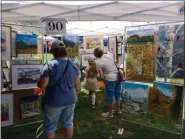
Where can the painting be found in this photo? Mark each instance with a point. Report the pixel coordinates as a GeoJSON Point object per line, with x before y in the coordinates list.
{"type": "Point", "coordinates": [72, 45]}
{"type": "Point", "coordinates": [170, 52]}
{"type": "Point", "coordinates": [25, 76]}
{"type": "Point", "coordinates": [26, 43]}
{"type": "Point", "coordinates": [92, 42]}
{"type": "Point", "coordinates": [81, 42]}
{"type": "Point", "coordinates": [119, 48]}
{"type": "Point", "coordinates": [165, 99]}
{"type": "Point", "coordinates": [7, 110]}
{"type": "Point", "coordinates": [6, 43]}
{"type": "Point", "coordinates": [134, 98]}
{"type": "Point", "coordinates": [140, 36]}
{"type": "Point", "coordinates": [112, 47]}
{"type": "Point", "coordinates": [14, 44]}
{"type": "Point", "coordinates": [139, 62]}
{"type": "Point", "coordinates": [85, 59]}
{"type": "Point", "coordinates": [29, 106]}
{"type": "Point", "coordinates": [105, 44]}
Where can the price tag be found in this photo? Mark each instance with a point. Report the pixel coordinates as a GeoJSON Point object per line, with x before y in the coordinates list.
{"type": "Point", "coordinates": [55, 26]}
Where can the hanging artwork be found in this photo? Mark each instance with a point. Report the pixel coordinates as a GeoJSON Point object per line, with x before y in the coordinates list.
{"type": "Point", "coordinates": [105, 44]}
{"type": "Point", "coordinates": [170, 52]}
{"type": "Point", "coordinates": [92, 42]}
{"type": "Point", "coordinates": [165, 99]}
{"type": "Point", "coordinates": [29, 106]}
{"type": "Point", "coordinates": [6, 43]}
{"type": "Point", "coordinates": [26, 43]}
{"type": "Point", "coordinates": [112, 47]}
{"type": "Point", "coordinates": [139, 62]}
{"type": "Point", "coordinates": [72, 45]}
{"type": "Point", "coordinates": [14, 44]}
{"type": "Point", "coordinates": [81, 42]}
{"type": "Point", "coordinates": [7, 110]}
{"type": "Point", "coordinates": [119, 48]}
{"type": "Point", "coordinates": [134, 98]}
{"type": "Point", "coordinates": [25, 76]}
{"type": "Point", "coordinates": [85, 59]}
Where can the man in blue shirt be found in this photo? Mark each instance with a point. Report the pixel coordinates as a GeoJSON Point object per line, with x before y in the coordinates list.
{"type": "Point", "coordinates": [61, 81]}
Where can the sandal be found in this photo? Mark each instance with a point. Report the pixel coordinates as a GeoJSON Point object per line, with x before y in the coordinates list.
{"type": "Point", "coordinates": [107, 115]}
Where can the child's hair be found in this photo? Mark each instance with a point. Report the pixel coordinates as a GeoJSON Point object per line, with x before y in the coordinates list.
{"type": "Point", "coordinates": [92, 72]}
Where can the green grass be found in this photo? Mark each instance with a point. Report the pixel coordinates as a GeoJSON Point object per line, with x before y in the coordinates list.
{"type": "Point", "coordinates": [89, 124]}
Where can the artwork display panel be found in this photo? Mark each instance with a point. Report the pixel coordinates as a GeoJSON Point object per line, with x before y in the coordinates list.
{"type": "Point", "coordinates": [112, 47]}
{"type": "Point", "coordinates": [25, 76]}
{"type": "Point", "coordinates": [26, 44]}
{"type": "Point", "coordinates": [81, 42]}
{"type": "Point", "coordinates": [139, 62]}
{"type": "Point", "coordinates": [134, 98]}
{"type": "Point", "coordinates": [165, 100]}
{"type": "Point", "coordinates": [85, 59]}
{"type": "Point", "coordinates": [7, 110]}
{"type": "Point", "coordinates": [6, 43]}
{"type": "Point", "coordinates": [13, 44]}
{"type": "Point", "coordinates": [72, 45]}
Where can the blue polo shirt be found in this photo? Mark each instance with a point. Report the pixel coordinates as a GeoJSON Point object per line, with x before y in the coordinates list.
{"type": "Point", "coordinates": [60, 90]}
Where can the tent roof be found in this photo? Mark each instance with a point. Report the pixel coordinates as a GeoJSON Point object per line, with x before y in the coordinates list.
{"type": "Point", "coordinates": [106, 11]}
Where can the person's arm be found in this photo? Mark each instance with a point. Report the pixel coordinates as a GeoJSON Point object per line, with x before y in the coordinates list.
{"type": "Point", "coordinates": [101, 73]}
{"type": "Point", "coordinates": [77, 85]}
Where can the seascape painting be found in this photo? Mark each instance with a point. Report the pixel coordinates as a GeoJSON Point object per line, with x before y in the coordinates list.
{"type": "Point", "coordinates": [72, 45]}
{"type": "Point", "coordinates": [26, 44]}
{"type": "Point", "coordinates": [112, 47]}
{"type": "Point", "coordinates": [140, 36]}
{"type": "Point", "coordinates": [165, 100]}
{"type": "Point", "coordinates": [25, 76]}
{"type": "Point", "coordinates": [6, 43]}
{"type": "Point", "coordinates": [134, 98]}
{"type": "Point", "coordinates": [139, 62]}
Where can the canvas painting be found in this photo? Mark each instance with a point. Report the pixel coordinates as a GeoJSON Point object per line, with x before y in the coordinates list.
{"type": "Point", "coordinates": [139, 62]}
{"type": "Point", "coordinates": [165, 99]}
{"type": "Point", "coordinates": [105, 44]}
{"type": "Point", "coordinates": [85, 59]}
{"type": "Point", "coordinates": [29, 106]}
{"type": "Point", "coordinates": [26, 44]}
{"type": "Point", "coordinates": [81, 42]}
{"type": "Point", "coordinates": [92, 42]}
{"type": "Point", "coordinates": [140, 36]}
{"type": "Point", "coordinates": [170, 52]}
{"type": "Point", "coordinates": [14, 44]}
{"type": "Point", "coordinates": [6, 43]}
{"type": "Point", "coordinates": [72, 45]}
{"type": "Point", "coordinates": [119, 48]}
{"type": "Point", "coordinates": [134, 98]}
{"type": "Point", "coordinates": [112, 47]}
{"type": "Point", "coordinates": [25, 76]}
{"type": "Point", "coordinates": [6, 110]}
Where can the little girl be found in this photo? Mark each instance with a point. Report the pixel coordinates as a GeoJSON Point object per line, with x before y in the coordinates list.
{"type": "Point", "coordinates": [91, 82]}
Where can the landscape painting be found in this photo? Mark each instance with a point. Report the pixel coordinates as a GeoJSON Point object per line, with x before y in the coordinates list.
{"type": "Point", "coordinates": [85, 59]}
{"type": "Point", "coordinates": [72, 45]}
{"type": "Point", "coordinates": [26, 44]}
{"type": "Point", "coordinates": [165, 99]}
{"type": "Point", "coordinates": [112, 47]}
{"type": "Point", "coordinates": [25, 76]}
{"type": "Point", "coordinates": [6, 110]}
{"type": "Point", "coordinates": [134, 98]}
{"type": "Point", "coordinates": [140, 36]}
{"type": "Point", "coordinates": [6, 43]}
{"type": "Point", "coordinates": [139, 62]}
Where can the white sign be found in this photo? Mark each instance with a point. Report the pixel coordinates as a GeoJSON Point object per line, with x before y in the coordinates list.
{"type": "Point", "coordinates": [55, 26]}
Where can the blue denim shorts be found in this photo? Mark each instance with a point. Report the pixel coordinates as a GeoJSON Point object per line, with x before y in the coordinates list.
{"type": "Point", "coordinates": [113, 90]}
{"type": "Point", "coordinates": [53, 114]}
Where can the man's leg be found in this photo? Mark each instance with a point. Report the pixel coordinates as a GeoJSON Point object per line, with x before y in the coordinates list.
{"type": "Point", "coordinates": [118, 96]}
{"type": "Point", "coordinates": [50, 135]}
{"type": "Point", "coordinates": [68, 133]}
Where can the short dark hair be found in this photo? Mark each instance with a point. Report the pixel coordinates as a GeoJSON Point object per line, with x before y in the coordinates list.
{"type": "Point", "coordinates": [59, 52]}
{"type": "Point", "coordinates": [98, 52]}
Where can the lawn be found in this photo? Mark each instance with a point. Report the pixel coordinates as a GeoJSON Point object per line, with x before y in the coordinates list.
{"type": "Point", "coordinates": [89, 124]}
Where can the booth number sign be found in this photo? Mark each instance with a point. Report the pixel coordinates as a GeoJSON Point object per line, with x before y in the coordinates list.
{"type": "Point", "coordinates": [55, 26]}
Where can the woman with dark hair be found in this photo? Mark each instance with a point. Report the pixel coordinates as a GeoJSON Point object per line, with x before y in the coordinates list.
{"type": "Point", "coordinates": [112, 85]}
{"type": "Point", "coordinates": [60, 79]}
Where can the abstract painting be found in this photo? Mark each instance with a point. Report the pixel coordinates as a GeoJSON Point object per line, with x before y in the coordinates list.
{"type": "Point", "coordinates": [134, 98]}
{"type": "Point", "coordinates": [29, 106]}
{"type": "Point", "coordinates": [6, 43]}
{"type": "Point", "coordinates": [7, 109]}
{"type": "Point", "coordinates": [170, 52]}
{"type": "Point", "coordinates": [139, 62]}
{"type": "Point", "coordinates": [105, 44]}
{"type": "Point", "coordinates": [112, 47]}
{"type": "Point", "coordinates": [81, 42]}
{"type": "Point", "coordinates": [26, 44]}
{"type": "Point", "coordinates": [165, 99]}
{"type": "Point", "coordinates": [72, 45]}
{"type": "Point", "coordinates": [85, 59]}
{"type": "Point", "coordinates": [140, 36]}
{"type": "Point", "coordinates": [25, 76]}
{"type": "Point", "coordinates": [92, 42]}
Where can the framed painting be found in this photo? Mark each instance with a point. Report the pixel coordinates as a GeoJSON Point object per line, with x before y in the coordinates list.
{"type": "Point", "coordinates": [119, 48]}
{"type": "Point", "coordinates": [134, 98]}
{"type": "Point", "coordinates": [72, 45]}
{"type": "Point", "coordinates": [81, 42]}
{"type": "Point", "coordinates": [14, 44]}
{"type": "Point", "coordinates": [26, 44]}
{"type": "Point", "coordinates": [7, 110]}
{"type": "Point", "coordinates": [112, 47]}
{"type": "Point", "coordinates": [92, 42]}
{"type": "Point", "coordinates": [25, 76]}
{"type": "Point", "coordinates": [6, 42]}
{"type": "Point", "coordinates": [85, 59]}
